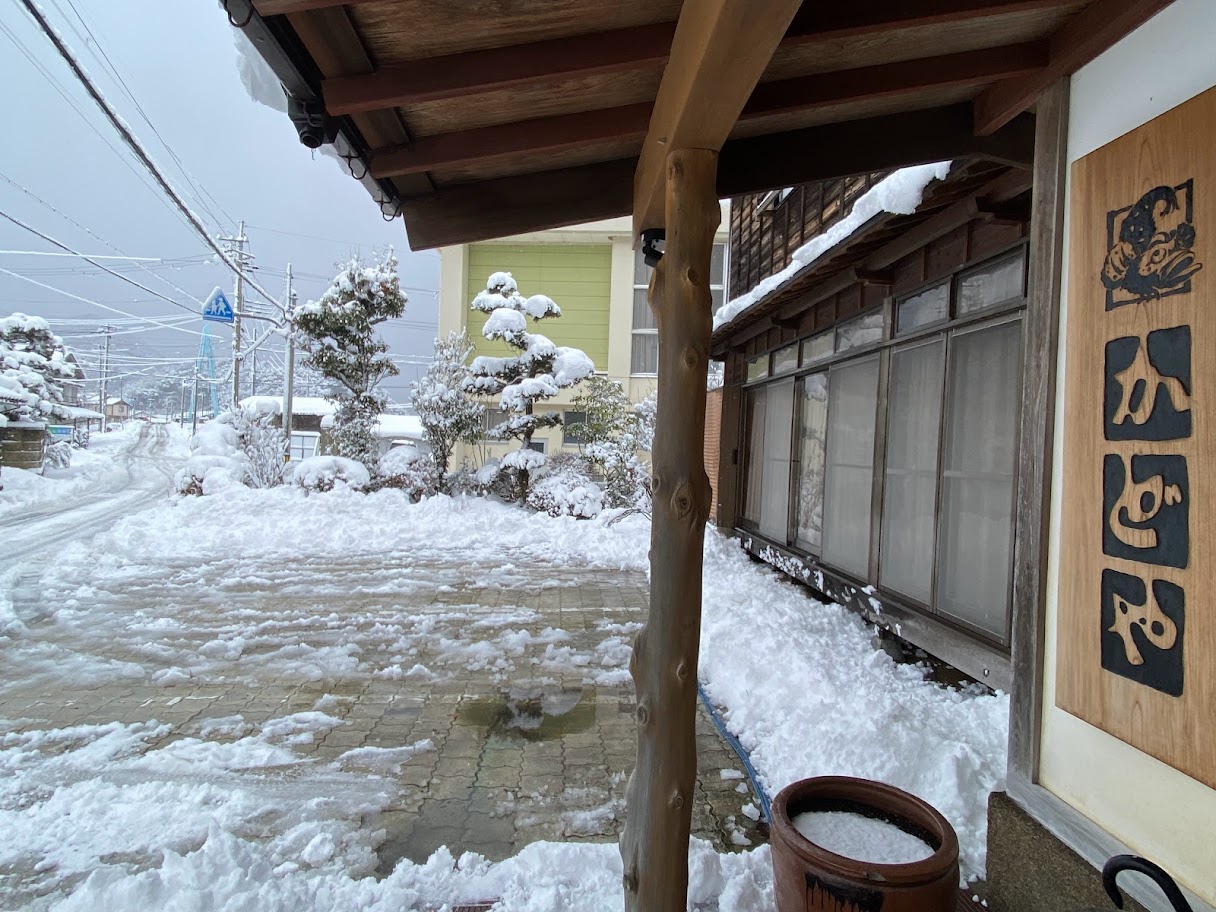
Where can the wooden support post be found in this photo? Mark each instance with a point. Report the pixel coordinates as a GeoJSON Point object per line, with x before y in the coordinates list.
{"type": "Point", "coordinates": [654, 846]}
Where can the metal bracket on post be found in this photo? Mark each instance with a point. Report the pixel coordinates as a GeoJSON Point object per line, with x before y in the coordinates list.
{"type": "Point", "coordinates": [651, 237]}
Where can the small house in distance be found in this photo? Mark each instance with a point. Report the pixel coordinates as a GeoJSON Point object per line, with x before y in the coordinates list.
{"type": "Point", "coordinates": [117, 409]}
{"type": "Point", "coordinates": [312, 420]}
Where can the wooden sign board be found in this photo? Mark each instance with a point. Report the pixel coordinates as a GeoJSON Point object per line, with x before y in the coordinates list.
{"type": "Point", "coordinates": [1137, 606]}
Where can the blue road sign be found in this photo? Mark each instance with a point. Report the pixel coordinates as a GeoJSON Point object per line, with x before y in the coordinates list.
{"type": "Point", "coordinates": [217, 309]}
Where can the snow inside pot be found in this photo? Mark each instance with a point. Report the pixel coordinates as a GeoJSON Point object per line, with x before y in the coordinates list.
{"type": "Point", "coordinates": [841, 843]}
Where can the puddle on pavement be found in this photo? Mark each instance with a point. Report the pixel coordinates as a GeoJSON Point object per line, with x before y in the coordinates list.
{"type": "Point", "coordinates": [532, 714]}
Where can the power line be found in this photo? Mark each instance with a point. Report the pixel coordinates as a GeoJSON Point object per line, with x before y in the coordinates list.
{"type": "Point", "coordinates": [127, 279]}
{"type": "Point", "coordinates": [17, 275]}
{"type": "Point", "coordinates": [132, 143]}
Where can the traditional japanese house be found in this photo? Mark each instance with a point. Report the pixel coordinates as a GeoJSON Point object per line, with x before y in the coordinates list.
{"type": "Point", "coordinates": [1011, 393]}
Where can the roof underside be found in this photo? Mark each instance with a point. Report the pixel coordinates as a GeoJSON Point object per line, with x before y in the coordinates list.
{"type": "Point", "coordinates": [483, 118]}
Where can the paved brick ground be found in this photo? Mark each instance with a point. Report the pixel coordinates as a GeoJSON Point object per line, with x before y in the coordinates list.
{"type": "Point", "coordinates": [537, 749]}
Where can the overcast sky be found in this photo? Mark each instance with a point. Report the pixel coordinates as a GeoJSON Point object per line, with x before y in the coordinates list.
{"type": "Point", "coordinates": [178, 61]}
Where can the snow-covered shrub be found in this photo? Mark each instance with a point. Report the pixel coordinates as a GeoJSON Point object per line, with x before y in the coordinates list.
{"type": "Point", "coordinates": [611, 436]}
{"type": "Point", "coordinates": [216, 461]}
{"type": "Point", "coordinates": [447, 412]}
{"type": "Point", "coordinates": [338, 333]}
{"type": "Point", "coordinates": [325, 473]}
{"type": "Point", "coordinates": [566, 489]}
{"type": "Point", "coordinates": [408, 470]}
{"type": "Point", "coordinates": [34, 368]}
{"type": "Point", "coordinates": [58, 455]}
{"type": "Point", "coordinates": [537, 372]}
{"type": "Point", "coordinates": [263, 444]}
{"type": "Point", "coordinates": [80, 438]}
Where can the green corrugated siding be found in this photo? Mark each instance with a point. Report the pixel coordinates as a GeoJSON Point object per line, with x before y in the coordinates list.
{"type": "Point", "coordinates": [577, 277]}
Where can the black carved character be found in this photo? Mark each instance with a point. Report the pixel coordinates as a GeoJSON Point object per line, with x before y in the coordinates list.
{"type": "Point", "coordinates": [1150, 247]}
{"type": "Point", "coordinates": [1142, 630]}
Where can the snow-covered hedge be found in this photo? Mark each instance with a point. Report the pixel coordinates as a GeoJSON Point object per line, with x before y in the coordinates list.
{"type": "Point", "coordinates": [216, 461]}
{"type": "Point", "coordinates": [325, 473]}
{"type": "Point", "coordinates": [408, 470]}
{"type": "Point", "coordinates": [566, 489]}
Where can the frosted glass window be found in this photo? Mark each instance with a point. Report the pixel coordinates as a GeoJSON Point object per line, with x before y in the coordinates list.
{"type": "Point", "coordinates": [819, 347]}
{"type": "Point", "coordinates": [756, 400]}
{"type": "Point", "coordinates": [812, 434]}
{"type": "Point", "coordinates": [929, 306]}
{"type": "Point", "coordinates": [643, 316]}
{"type": "Point", "coordinates": [978, 461]}
{"type": "Point", "coordinates": [993, 284]}
{"type": "Point", "coordinates": [852, 402]}
{"type": "Point", "coordinates": [757, 368]}
{"type": "Point", "coordinates": [645, 354]}
{"type": "Point", "coordinates": [785, 359]}
{"type": "Point", "coordinates": [914, 400]}
{"type": "Point", "coordinates": [778, 431]}
{"type": "Point", "coordinates": [859, 332]}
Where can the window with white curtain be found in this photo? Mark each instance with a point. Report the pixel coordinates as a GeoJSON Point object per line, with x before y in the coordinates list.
{"type": "Point", "coordinates": [755, 401]}
{"type": "Point", "coordinates": [852, 407]}
{"type": "Point", "coordinates": [979, 454]}
{"type": "Point", "coordinates": [909, 505]}
{"type": "Point", "coordinates": [644, 358]}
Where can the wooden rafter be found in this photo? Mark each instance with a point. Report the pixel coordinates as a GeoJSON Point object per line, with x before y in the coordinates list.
{"type": "Point", "coordinates": [454, 75]}
{"type": "Point", "coordinates": [629, 122]}
{"type": "Point", "coordinates": [720, 50]}
{"type": "Point", "coordinates": [550, 199]}
{"type": "Point", "coordinates": [283, 7]}
{"type": "Point", "coordinates": [1077, 42]}
{"type": "Point", "coordinates": [822, 21]}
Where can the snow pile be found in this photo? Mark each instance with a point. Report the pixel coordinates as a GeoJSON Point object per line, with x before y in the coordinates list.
{"type": "Point", "coordinates": [899, 193]}
{"type": "Point", "coordinates": [808, 695]}
{"type": "Point", "coordinates": [409, 470]}
{"type": "Point", "coordinates": [325, 473]}
{"type": "Point", "coordinates": [861, 838]}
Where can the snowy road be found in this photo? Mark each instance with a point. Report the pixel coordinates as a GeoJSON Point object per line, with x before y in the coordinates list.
{"type": "Point", "coordinates": [146, 473]}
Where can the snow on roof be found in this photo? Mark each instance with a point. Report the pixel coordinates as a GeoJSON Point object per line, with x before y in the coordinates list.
{"type": "Point", "coordinates": [73, 411]}
{"type": "Point", "coordinates": [115, 400]}
{"type": "Point", "coordinates": [899, 193]}
{"type": "Point", "coordinates": [391, 427]}
{"type": "Point", "coordinates": [300, 405]}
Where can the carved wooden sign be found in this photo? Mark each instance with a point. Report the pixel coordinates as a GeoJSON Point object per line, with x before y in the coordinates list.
{"type": "Point", "coordinates": [1137, 628]}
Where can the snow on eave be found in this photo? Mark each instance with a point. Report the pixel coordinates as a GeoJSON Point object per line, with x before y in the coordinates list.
{"type": "Point", "coordinates": [899, 193]}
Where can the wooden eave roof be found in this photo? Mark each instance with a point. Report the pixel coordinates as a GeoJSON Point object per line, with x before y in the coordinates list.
{"type": "Point", "coordinates": [972, 190]}
{"type": "Point", "coordinates": [486, 118]}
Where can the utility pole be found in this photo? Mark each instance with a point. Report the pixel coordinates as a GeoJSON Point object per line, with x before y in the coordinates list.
{"type": "Point", "coordinates": [289, 378]}
{"type": "Point", "coordinates": [194, 409]}
{"type": "Point", "coordinates": [181, 421]}
{"type": "Point", "coordinates": [105, 376]}
{"type": "Point", "coordinates": [243, 259]}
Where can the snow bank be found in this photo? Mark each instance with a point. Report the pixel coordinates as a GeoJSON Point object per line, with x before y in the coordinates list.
{"type": "Point", "coordinates": [99, 465]}
{"type": "Point", "coordinates": [327, 473]}
{"type": "Point", "coordinates": [899, 193]}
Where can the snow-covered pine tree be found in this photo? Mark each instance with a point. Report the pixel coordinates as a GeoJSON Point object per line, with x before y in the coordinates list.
{"type": "Point", "coordinates": [447, 411]}
{"type": "Point", "coordinates": [33, 366]}
{"type": "Point", "coordinates": [535, 374]}
{"type": "Point", "coordinates": [338, 335]}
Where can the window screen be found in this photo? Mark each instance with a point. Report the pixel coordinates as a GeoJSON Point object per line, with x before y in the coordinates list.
{"type": "Point", "coordinates": [909, 503]}
{"type": "Point", "coordinates": [978, 461]}
{"type": "Point", "coordinates": [852, 402]}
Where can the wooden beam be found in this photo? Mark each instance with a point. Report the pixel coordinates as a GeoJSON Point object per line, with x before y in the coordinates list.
{"type": "Point", "coordinates": [718, 54]}
{"type": "Point", "coordinates": [824, 21]}
{"type": "Point", "coordinates": [283, 7]}
{"type": "Point", "coordinates": [970, 68]}
{"type": "Point", "coordinates": [629, 122]}
{"type": "Point", "coordinates": [541, 135]}
{"type": "Point", "coordinates": [454, 75]}
{"type": "Point", "coordinates": [863, 146]}
{"type": "Point", "coordinates": [506, 206]}
{"type": "Point", "coordinates": [1078, 41]}
{"type": "Point", "coordinates": [551, 199]}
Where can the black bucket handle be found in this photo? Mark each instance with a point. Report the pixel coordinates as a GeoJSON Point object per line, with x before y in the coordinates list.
{"type": "Point", "coordinates": [1118, 863]}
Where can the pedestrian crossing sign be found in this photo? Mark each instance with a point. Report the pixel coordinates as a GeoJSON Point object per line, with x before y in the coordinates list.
{"type": "Point", "coordinates": [217, 309]}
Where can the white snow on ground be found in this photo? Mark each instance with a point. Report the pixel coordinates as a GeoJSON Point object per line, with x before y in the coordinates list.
{"type": "Point", "coordinates": [798, 683]}
{"type": "Point", "coordinates": [899, 193]}
{"type": "Point", "coordinates": [92, 467]}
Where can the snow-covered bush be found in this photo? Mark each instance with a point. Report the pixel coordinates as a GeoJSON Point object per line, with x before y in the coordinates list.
{"type": "Point", "coordinates": [611, 435]}
{"type": "Point", "coordinates": [325, 473]}
{"type": "Point", "coordinates": [338, 334]}
{"type": "Point", "coordinates": [535, 374]}
{"type": "Point", "coordinates": [58, 455]}
{"type": "Point", "coordinates": [408, 470]}
{"type": "Point", "coordinates": [216, 461]}
{"type": "Point", "coordinates": [263, 443]}
{"type": "Point", "coordinates": [447, 411]}
{"type": "Point", "coordinates": [566, 489]}
{"type": "Point", "coordinates": [33, 368]}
